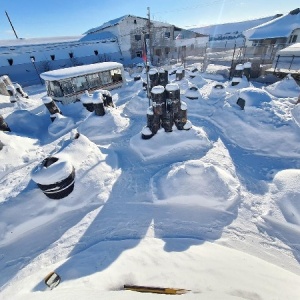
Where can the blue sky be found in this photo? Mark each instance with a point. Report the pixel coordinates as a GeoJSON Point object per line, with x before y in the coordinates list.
{"type": "Point", "coordinates": [44, 18]}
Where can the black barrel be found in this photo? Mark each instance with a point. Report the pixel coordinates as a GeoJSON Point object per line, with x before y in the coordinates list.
{"type": "Point", "coordinates": [98, 104]}
{"type": "Point", "coordinates": [158, 97]}
{"type": "Point", "coordinates": [238, 72]}
{"type": "Point", "coordinates": [153, 77]}
{"type": "Point", "coordinates": [51, 106]}
{"type": "Point", "coordinates": [163, 78]}
{"type": "Point", "coordinates": [173, 94]}
{"type": "Point", "coordinates": [87, 101]}
{"type": "Point", "coordinates": [180, 118]}
{"type": "Point", "coordinates": [247, 69]}
{"type": "Point", "coordinates": [3, 124]}
{"type": "Point", "coordinates": [59, 189]}
{"type": "Point", "coordinates": [167, 121]}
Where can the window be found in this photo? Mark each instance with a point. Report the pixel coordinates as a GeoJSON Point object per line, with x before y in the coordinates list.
{"type": "Point", "coordinates": [147, 36]}
{"type": "Point", "coordinates": [52, 57]}
{"type": "Point", "coordinates": [80, 83]}
{"type": "Point", "coordinates": [67, 87]}
{"type": "Point", "coordinates": [105, 77]}
{"type": "Point", "coordinates": [167, 50]}
{"type": "Point", "coordinates": [116, 75]}
{"type": "Point", "coordinates": [93, 80]}
{"type": "Point", "coordinates": [71, 54]}
{"type": "Point", "coordinates": [137, 37]}
{"type": "Point", "coordinates": [134, 22]}
{"type": "Point", "coordinates": [294, 38]}
{"type": "Point", "coordinates": [138, 53]}
{"type": "Point", "coordinates": [55, 89]}
{"type": "Point", "coordinates": [167, 35]}
{"type": "Point", "coordinates": [10, 61]}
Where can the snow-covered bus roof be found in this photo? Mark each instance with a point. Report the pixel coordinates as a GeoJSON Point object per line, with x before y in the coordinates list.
{"type": "Point", "coordinates": [79, 70]}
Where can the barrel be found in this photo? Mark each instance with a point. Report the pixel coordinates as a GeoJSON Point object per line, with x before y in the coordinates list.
{"type": "Point", "coordinates": [98, 104]}
{"type": "Point", "coordinates": [3, 124]}
{"type": "Point", "coordinates": [87, 101]}
{"type": "Point", "coordinates": [173, 94]}
{"type": "Point", "coordinates": [51, 106]}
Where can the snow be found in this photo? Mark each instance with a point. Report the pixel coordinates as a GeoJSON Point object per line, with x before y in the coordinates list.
{"type": "Point", "coordinates": [213, 209]}
{"type": "Point", "coordinates": [276, 28]}
{"type": "Point", "coordinates": [79, 70]}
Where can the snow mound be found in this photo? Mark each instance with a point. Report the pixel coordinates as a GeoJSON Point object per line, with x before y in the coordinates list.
{"type": "Point", "coordinates": [100, 128]}
{"type": "Point", "coordinates": [296, 114]}
{"type": "Point", "coordinates": [201, 182]}
{"type": "Point", "coordinates": [93, 183]}
{"type": "Point", "coordinates": [287, 194]}
{"type": "Point", "coordinates": [163, 143]}
{"type": "Point", "coordinates": [60, 126]}
{"type": "Point", "coordinates": [26, 123]}
{"type": "Point", "coordinates": [254, 96]}
{"type": "Point", "coordinates": [243, 83]}
{"type": "Point", "coordinates": [136, 106]}
{"type": "Point", "coordinates": [285, 88]}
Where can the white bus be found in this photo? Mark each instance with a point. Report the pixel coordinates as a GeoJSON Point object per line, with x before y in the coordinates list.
{"type": "Point", "coordinates": [68, 84]}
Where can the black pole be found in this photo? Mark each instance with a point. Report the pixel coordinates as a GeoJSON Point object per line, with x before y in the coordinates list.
{"type": "Point", "coordinates": [276, 64]}
{"type": "Point", "coordinates": [292, 61]}
{"type": "Point", "coordinates": [231, 69]}
{"type": "Point", "coordinates": [11, 25]}
{"type": "Point", "coordinates": [37, 72]}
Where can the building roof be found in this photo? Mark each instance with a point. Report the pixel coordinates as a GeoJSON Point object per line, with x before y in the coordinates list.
{"type": "Point", "coordinates": [290, 50]}
{"type": "Point", "coordinates": [39, 41]}
{"type": "Point", "coordinates": [280, 27]}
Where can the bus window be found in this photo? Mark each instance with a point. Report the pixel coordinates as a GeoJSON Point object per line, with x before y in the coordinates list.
{"type": "Point", "coordinates": [54, 89]}
{"type": "Point", "coordinates": [80, 83]}
{"type": "Point", "coordinates": [116, 75]}
{"type": "Point", "coordinates": [105, 77]}
{"type": "Point", "coordinates": [93, 80]}
{"type": "Point", "coordinates": [67, 87]}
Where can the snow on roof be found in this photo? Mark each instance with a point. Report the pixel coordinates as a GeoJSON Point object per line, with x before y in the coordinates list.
{"type": "Point", "coordinates": [79, 70]}
{"type": "Point", "coordinates": [276, 28]}
{"type": "Point", "coordinates": [39, 41]}
{"type": "Point", "coordinates": [118, 20]}
{"type": "Point", "coordinates": [107, 24]}
{"type": "Point", "coordinates": [99, 36]}
{"type": "Point", "coordinates": [290, 50]}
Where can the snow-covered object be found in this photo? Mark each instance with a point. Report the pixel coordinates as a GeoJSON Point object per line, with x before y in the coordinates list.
{"type": "Point", "coordinates": [86, 98]}
{"type": "Point", "coordinates": [54, 173]}
{"type": "Point", "coordinates": [152, 71]}
{"type": "Point", "coordinates": [47, 99]}
{"type": "Point", "coordinates": [60, 125]}
{"type": "Point", "coordinates": [254, 96]}
{"type": "Point", "coordinates": [237, 83]}
{"type": "Point", "coordinates": [109, 126]}
{"type": "Point", "coordinates": [192, 93]}
{"type": "Point", "coordinates": [239, 67]}
{"type": "Point", "coordinates": [157, 90]}
{"type": "Point", "coordinates": [172, 87]}
{"type": "Point", "coordinates": [198, 80]}
{"type": "Point", "coordinates": [287, 87]}
{"type": "Point", "coordinates": [97, 97]}
{"type": "Point", "coordinates": [247, 65]}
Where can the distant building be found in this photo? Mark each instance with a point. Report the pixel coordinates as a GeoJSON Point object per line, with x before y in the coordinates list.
{"type": "Point", "coordinates": [131, 32]}
{"type": "Point", "coordinates": [24, 59]}
{"type": "Point", "coordinates": [281, 31]}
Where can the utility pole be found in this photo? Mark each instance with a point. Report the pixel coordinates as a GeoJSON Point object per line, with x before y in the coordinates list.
{"type": "Point", "coordinates": [11, 25]}
{"type": "Point", "coordinates": [150, 38]}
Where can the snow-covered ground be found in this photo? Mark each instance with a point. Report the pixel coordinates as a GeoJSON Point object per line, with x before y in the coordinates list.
{"type": "Point", "coordinates": [214, 210]}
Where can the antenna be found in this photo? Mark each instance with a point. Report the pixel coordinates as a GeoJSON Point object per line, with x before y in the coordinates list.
{"type": "Point", "coordinates": [11, 25]}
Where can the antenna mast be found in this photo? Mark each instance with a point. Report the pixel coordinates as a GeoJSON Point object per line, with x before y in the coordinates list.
{"type": "Point", "coordinates": [11, 25]}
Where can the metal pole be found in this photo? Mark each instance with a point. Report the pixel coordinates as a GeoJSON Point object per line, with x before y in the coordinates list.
{"type": "Point", "coordinates": [231, 69]}
{"type": "Point", "coordinates": [276, 64]}
{"type": "Point", "coordinates": [37, 72]}
{"type": "Point", "coordinates": [292, 61]}
{"type": "Point", "coordinates": [147, 68]}
{"type": "Point", "coordinates": [11, 25]}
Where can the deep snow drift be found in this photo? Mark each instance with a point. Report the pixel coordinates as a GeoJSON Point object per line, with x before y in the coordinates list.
{"type": "Point", "coordinates": [214, 209]}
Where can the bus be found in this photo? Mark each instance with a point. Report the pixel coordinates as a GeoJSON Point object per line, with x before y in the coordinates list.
{"type": "Point", "coordinates": [68, 84]}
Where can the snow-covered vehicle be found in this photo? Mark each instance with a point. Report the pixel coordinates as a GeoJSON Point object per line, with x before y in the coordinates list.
{"type": "Point", "coordinates": [68, 84]}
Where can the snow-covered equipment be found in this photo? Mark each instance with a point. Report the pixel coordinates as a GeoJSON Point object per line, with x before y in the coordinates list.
{"type": "Point", "coordinates": [68, 84]}
{"type": "Point", "coordinates": [55, 177]}
{"type": "Point", "coordinates": [192, 92]}
{"type": "Point", "coordinates": [98, 104]}
{"type": "Point", "coordinates": [87, 101]}
{"type": "Point", "coordinates": [107, 98]}
{"type": "Point", "coordinates": [51, 106]}
{"type": "Point", "coordinates": [3, 124]}
{"type": "Point", "coordinates": [52, 280]}
{"type": "Point", "coordinates": [238, 72]}
{"type": "Point", "coordinates": [166, 110]}
{"type": "Point", "coordinates": [236, 80]}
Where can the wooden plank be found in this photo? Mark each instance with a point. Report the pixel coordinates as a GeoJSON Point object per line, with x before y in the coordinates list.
{"type": "Point", "coordinates": [155, 290]}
